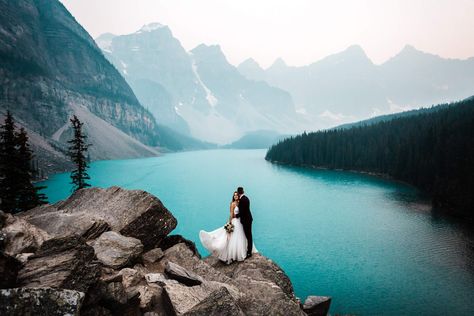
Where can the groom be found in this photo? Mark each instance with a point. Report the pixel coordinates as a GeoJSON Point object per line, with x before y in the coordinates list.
{"type": "Point", "coordinates": [245, 218]}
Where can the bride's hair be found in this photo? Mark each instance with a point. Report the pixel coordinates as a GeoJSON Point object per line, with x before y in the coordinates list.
{"type": "Point", "coordinates": [233, 197]}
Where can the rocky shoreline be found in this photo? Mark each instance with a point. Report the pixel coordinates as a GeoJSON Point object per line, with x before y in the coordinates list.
{"type": "Point", "coordinates": [109, 252]}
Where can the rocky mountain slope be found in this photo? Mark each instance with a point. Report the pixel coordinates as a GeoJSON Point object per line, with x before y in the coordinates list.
{"type": "Point", "coordinates": [50, 68]}
{"type": "Point", "coordinates": [348, 86]}
{"type": "Point", "coordinates": [196, 92]}
{"type": "Point", "coordinates": [90, 255]}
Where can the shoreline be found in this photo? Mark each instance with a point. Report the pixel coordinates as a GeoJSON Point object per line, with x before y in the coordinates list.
{"type": "Point", "coordinates": [444, 209]}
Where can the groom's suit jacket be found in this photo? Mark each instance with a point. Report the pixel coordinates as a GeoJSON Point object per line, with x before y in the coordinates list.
{"type": "Point", "coordinates": [244, 210]}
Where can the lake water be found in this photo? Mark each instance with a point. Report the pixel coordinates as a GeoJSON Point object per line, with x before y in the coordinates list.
{"type": "Point", "coordinates": [371, 244]}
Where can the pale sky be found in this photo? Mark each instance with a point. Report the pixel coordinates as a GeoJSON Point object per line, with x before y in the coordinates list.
{"type": "Point", "coordinates": [299, 31]}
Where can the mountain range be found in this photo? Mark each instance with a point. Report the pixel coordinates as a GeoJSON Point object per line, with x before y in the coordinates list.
{"type": "Point", "coordinates": [348, 86]}
{"type": "Point", "coordinates": [197, 92]}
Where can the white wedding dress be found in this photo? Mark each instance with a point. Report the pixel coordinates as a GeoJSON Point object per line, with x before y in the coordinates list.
{"type": "Point", "coordinates": [227, 247]}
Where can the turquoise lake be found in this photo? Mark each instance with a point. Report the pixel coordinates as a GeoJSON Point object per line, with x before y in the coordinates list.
{"type": "Point", "coordinates": [373, 245]}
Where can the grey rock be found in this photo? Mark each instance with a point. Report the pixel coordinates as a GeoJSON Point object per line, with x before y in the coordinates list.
{"type": "Point", "coordinates": [264, 298]}
{"type": "Point", "coordinates": [132, 213]}
{"type": "Point", "coordinates": [171, 240]}
{"type": "Point", "coordinates": [96, 229]}
{"type": "Point", "coordinates": [110, 275]}
{"type": "Point", "coordinates": [180, 274]}
{"type": "Point", "coordinates": [182, 255]}
{"type": "Point", "coordinates": [21, 236]}
{"type": "Point", "coordinates": [66, 263]}
{"type": "Point", "coordinates": [153, 255]}
{"type": "Point", "coordinates": [130, 277]}
{"type": "Point", "coordinates": [23, 257]}
{"type": "Point", "coordinates": [141, 269]}
{"type": "Point", "coordinates": [218, 303]}
{"type": "Point", "coordinates": [317, 305]}
{"type": "Point", "coordinates": [155, 278]}
{"type": "Point", "coordinates": [150, 297]}
{"type": "Point", "coordinates": [258, 267]}
{"type": "Point", "coordinates": [9, 267]}
{"type": "Point", "coordinates": [179, 298]}
{"type": "Point", "coordinates": [40, 301]}
{"type": "Point", "coordinates": [265, 288]}
{"type": "Point", "coordinates": [115, 250]}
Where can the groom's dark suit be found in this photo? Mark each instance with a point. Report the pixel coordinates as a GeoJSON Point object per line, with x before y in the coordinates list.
{"type": "Point", "coordinates": [246, 219]}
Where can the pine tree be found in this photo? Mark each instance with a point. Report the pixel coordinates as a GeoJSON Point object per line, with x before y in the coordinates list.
{"type": "Point", "coordinates": [8, 167]}
{"type": "Point", "coordinates": [17, 192]}
{"type": "Point", "coordinates": [77, 153]}
{"type": "Point", "coordinates": [28, 194]}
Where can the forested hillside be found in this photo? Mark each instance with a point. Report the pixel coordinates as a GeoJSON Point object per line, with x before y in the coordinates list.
{"type": "Point", "coordinates": [433, 150]}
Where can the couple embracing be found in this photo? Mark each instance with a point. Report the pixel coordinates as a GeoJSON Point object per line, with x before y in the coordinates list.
{"type": "Point", "coordinates": [233, 242]}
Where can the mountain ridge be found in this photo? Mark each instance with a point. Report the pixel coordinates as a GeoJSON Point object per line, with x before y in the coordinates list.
{"type": "Point", "coordinates": [199, 88]}
{"type": "Point", "coordinates": [51, 69]}
{"type": "Point", "coordinates": [348, 86]}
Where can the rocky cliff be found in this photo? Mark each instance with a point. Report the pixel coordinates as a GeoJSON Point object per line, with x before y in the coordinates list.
{"type": "Point", "coordinates": [108, 252]}
{"type": "Point", "coordinates": [50, 68]}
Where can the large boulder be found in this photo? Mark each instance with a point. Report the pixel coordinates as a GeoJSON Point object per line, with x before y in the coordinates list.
{"type": "Point", "coordinates": [182, 255]}
{"type": "Point", "coordinates": [257, 267]}
{"type": "Point", "coordinates": [116, 251]}
{"type": "Point", "coordinates": [9, 268]}
{"type": "Point", "coordinates": [153, 255]}
{"type": "Point", "coordinates": [265, 288]}
{"type": "Point", "coordinates": [180, 274]}
{"type": "Point", "coordinates": [261, 297]}
{"type": "Point", "coordinates": [133, 213]}
{"type": "Point", "coordinates": [218, 303]}
{"type": "Point", "coordinates": [66, 263]}
{"type": "Point", "coordinates": [20, 236]}
{"type": "Point", "coordinates": [317, 305]}
{"type": "Point", "coordinates": [171, 240]}
{"type": "Point", "coordinates": [179, 298]}
{"type": "Point", "coordinates": [130, 277]}
{"type": "Point", "coordinates": [40, 301]}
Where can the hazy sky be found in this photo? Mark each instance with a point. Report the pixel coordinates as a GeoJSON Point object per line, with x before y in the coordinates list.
{"type": "Point", "coordinates": [299, 31]}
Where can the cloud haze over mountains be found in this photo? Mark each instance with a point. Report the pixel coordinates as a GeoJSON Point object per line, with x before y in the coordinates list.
{"type": "Point", "coordinates": [200, 93]}
{"type": "Point", "coordinates": [348, 86]}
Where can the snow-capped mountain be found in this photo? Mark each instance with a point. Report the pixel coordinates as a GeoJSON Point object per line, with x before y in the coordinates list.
{"type": "Point", "coordinates": [197, 92]}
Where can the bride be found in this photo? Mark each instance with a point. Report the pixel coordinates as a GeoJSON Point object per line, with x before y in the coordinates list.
{"type": "Point", "coordinates": [226, 246]}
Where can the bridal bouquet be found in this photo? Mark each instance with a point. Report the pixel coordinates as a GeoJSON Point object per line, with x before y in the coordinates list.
{"type": "Point", "coordinates": [229, 227]}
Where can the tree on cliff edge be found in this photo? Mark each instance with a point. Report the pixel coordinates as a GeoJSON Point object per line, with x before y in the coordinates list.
{"type": "Point", "coordinates": [78, 154]}
{"type": "Point", "coordinates": [17, 192]}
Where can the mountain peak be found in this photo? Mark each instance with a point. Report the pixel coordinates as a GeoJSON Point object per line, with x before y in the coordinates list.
{"type": "Point", "coordinates": [203, 49]}
{"type": "Point", "coordinates": [278, 63]}
{"type": "Point", "coordinates": [151, 27]}
{"type": "Point", "coordinates": [355, 51]}
{"type": "Point", "coordinates": [250, 63]}
{"type": "Point", "coordinates": [409, 48]}
{"type": "Point", "coordinates": [251, 69]}
{"type": "Point", "coordinates": [106, 36]}
{"type": "Point", "coordinates": [207, 47]}
{"type": "Point", "coordinates": [409, 52]}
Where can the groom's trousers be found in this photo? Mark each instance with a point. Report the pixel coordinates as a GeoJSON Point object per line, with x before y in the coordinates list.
{"type": "Point", "coordinates": [248, 235]}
